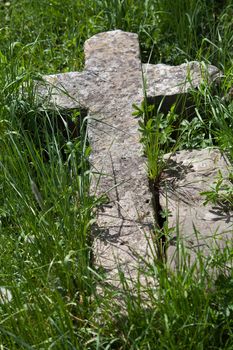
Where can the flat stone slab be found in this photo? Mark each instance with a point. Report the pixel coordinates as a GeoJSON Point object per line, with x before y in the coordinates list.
{"type": "Point", "coordinates": [188, 173]}
{"type": "Point", "coordinates": [112, 81]}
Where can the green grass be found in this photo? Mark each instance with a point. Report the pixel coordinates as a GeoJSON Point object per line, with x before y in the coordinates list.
{"type": "Point", "coordinates": [48, 293]}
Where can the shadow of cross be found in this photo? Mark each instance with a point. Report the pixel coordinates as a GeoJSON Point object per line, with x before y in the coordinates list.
{"type": "Point", "coordinates": [110, 83]}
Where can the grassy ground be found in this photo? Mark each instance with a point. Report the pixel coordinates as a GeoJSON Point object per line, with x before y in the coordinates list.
{"type": "Point", "coordinates": [48, 297]}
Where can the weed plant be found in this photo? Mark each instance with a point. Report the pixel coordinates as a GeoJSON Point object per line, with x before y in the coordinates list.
{"type": "Point", "coordinates": [48, 297]}
{"type": "Point", "coordinates": [156, 130]}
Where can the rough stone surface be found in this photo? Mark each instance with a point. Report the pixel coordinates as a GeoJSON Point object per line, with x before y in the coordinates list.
{"type": "Point", "coordinates": [165, 80]}
{"type": "Point", "coordinates": [188, 174]}
{"type": "Point", "coordinates": [110, 83]}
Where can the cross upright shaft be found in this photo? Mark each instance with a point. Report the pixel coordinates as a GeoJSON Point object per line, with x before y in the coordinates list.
{"type": "Point", "coordinates": [114, 60]}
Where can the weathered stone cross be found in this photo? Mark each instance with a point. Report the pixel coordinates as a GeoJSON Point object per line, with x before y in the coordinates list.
{"type": "Point", "coordinates": [109, 85]}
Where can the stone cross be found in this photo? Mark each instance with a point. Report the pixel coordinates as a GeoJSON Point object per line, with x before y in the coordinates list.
{"type": "Point", "coordinates": [113, 80]}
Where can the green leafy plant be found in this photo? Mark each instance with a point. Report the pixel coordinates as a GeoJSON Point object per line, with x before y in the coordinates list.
{"type": "Point", "coordinates": [221, 192]}
{"type": "Point", "coordinates": [193, 134]}
{"type": "Point", "coordinates": [156, 137]}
